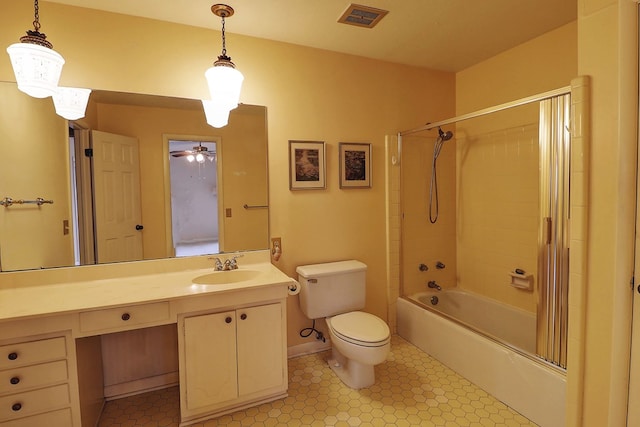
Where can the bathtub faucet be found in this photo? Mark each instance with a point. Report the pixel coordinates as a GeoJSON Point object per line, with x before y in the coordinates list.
{"type": "Point", "coordinates": [433, 285]}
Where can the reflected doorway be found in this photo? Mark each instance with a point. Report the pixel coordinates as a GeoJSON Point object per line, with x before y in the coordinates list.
{"type": "Point", "coordinates": [193, 170]}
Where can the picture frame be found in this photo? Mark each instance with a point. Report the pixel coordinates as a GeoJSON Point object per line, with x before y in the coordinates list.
{"type": "Point", "coordinates": [355, 165]}
{"type": "Point", "coordinates": [307, 166]}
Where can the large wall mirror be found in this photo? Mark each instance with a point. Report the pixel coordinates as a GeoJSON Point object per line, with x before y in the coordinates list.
{"type": "Point", "coordinates": [125, 183]}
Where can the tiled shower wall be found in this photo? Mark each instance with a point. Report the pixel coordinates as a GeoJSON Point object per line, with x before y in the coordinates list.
{"type": "Point", "coordinates": [580, 141]}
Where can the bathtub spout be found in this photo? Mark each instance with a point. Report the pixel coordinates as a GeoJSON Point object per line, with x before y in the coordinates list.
{"type": "Point", "coordinates": [433, 285]}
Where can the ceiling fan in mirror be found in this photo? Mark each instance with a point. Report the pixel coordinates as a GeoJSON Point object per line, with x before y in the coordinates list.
{"type": "Point", "coordinates": [199, 153]}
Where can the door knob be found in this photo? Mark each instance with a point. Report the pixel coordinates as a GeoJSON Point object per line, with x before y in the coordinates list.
{"type": "Point", "coordinates": [139, 227]}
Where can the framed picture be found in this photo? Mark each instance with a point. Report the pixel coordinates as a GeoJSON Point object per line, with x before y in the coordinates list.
{"type": "Point", "coordinates": [307, 169]}
{"type": "Point", "coordinates": [355, 165]}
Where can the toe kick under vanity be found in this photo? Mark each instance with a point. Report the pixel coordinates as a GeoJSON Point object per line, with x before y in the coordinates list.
{"type": "Point", "coordinates": [232, 349]}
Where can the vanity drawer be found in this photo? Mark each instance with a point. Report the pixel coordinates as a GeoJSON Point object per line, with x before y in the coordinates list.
{"type": "Point", "coordinates": [60, 418]}
{"type": "Point", "coordinates": [33, 402]}
{"type": "Point", "coordinates": [123, 318]}
{"type": "Point", "coordinates": [32, 352]}
{"type": "Point", "coordinates": [28, 377]}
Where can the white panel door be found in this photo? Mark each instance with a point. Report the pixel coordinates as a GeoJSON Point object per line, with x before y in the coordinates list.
{"type": "Point", "coordinates": [118, 217]}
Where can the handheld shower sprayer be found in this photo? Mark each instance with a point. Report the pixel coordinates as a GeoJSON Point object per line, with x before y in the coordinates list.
{"type": "Point", "coordinates": [433, 187]}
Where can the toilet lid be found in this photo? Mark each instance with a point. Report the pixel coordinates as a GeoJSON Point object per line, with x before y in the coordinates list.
{"type": "Point", "coordinates": [360, 328]}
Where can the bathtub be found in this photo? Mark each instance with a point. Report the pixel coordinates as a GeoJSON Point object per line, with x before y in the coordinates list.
{"type": "Point", "coordinates": [505, 323]}
{"type": "Point", "coordinates": [531, 387]}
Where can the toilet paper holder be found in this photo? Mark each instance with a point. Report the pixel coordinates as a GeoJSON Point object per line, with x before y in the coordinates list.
{"type": "Point", "coordinates": [293, 288]}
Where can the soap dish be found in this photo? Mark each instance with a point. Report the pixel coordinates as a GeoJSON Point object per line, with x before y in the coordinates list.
{"type": "Point", "coordinates": [521, 280]}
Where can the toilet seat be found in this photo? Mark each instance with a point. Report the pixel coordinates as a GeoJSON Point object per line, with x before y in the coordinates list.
{"type": "Point", "coordinates": [360, 328]}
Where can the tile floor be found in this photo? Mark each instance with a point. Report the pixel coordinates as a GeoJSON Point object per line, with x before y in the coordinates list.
{"type": "Point", "coordinates": [412, 389]}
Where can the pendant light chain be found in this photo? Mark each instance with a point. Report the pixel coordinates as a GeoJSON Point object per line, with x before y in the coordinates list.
{"type": "Point", "coordinates": [36, 23]}
{"type": "Point", "coordinates": [224, 40]}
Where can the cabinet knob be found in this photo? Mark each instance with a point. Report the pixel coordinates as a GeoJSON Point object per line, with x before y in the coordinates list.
{"type": "Point", "coordinates": [14, 380]}
{"type": "Point", "coordinates": [243, 316]}
{"type": "Point", "coordinates": [13, 356]}
{"type": "Point", "coordinates": [228, 319]}
{"type": "Point", "coordinates": [126, 316]}
{"type": "Point", "coordinates": [16, 407]}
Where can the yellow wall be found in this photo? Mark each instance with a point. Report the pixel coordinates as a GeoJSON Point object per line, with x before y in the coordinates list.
{"type": "Point", "coordinates": [544, 63]}
{"type": "Point", "coordinates": [607, 51]}
{"type": "Point", "coordinates": [34, 150]}
{"type": "Point", "coordinates": [310, 94]}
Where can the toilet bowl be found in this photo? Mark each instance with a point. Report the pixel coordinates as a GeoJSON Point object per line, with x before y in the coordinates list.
{"type": "Point", "coordinates": [336, 292]}
{"type": "Point", "coordinates": [359, 341]}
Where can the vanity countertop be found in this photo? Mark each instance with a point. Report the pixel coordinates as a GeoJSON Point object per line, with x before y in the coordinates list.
{"type": "Point", "coordinates": [79, 295]}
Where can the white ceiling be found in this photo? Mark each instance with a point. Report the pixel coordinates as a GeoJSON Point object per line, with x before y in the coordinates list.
{"type": "Point", "coordinates": [448, 35]}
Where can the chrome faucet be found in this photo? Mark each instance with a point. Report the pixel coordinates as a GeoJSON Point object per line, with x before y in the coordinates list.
{"type": "Point", "coordinates": [433, 285]}
{"type": "Point", "coordinates": [231, 263]}
{"type": "Point", "coordinates": [218, 265]}
{"type": "Point", "coordinates": [228, 264]}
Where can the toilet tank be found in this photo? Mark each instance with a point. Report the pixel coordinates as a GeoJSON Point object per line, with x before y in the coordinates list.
{"type": "Point", "coordinates": [332, 288]}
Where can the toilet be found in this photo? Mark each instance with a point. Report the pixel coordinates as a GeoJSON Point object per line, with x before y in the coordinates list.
{"type": "Point", "coordinates": [336, 291]}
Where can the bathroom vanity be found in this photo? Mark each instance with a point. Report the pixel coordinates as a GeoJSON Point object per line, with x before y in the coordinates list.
{"type": "Point", "coordinates": [231, 335]}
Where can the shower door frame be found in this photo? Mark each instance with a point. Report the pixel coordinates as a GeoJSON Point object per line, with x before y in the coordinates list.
{"type": "Point", "coordinates": [561, 349]}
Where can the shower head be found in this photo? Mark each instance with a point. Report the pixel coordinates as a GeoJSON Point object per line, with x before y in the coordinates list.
{"type": "Point", "coordinates": [444, 136]}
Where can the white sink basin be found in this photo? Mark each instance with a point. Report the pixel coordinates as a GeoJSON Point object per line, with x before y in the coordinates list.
{"type": "Point", "coordinates": [226, 277]}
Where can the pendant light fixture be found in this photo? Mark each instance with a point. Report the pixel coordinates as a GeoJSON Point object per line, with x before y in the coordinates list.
{"type": "Point", "coordinates": [224, 80]}
{"type": "Point", "coordinates": [36, 65]}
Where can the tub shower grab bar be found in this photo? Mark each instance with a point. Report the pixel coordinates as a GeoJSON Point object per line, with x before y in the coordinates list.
{"type": "Point", "coordinates": [8, 201]}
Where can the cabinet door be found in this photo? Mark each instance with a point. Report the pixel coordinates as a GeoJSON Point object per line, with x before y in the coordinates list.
{"type": "Point", "coordinates": [210, 355]}
{"type": "Point", "coordinates": [260, 348]}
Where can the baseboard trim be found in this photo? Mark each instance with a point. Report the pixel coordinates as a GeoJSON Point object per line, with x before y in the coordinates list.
{"type": "Point", "coordinates": [117, 391]}
{"type": "Point", "coordinates": [308, 348]}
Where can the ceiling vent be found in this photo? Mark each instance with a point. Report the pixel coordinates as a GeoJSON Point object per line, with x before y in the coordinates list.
{"type": "Point", "coordinates": [362, 16]}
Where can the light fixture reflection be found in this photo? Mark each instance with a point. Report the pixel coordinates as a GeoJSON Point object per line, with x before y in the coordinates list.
{"type": "Point", "coordinates": [71, 102]}
{"type": "Point", "coordinates": [216, 115]}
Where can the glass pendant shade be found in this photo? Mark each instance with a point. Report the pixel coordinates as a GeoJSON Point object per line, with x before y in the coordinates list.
{"type": "Point", "coordinates": [71, 102]}
{"type": "Point", "coordinates": [217, 115]}
{"type": "Point", "coordinates": [225, 84]}
{"type": "Point", "coordinates": [37, 68]}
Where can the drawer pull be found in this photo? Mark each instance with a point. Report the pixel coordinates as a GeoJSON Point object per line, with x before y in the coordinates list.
{"type": "Point", "coordinates": [13, 356]}
{"type": "Point", "coordinates": [243, 316]}
{"type": "Point", "coordinates": [14, 380]}
{"type": "Point", "coordinates": [16, 407]}
{"type": "Point", "coordinates": [126, 316]}
{"type": "Point", "coordinates": [228, 319]}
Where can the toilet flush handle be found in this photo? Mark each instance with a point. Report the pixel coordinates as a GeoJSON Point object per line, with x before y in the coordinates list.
{"type": "Point", "coordinates": [312, 280]}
